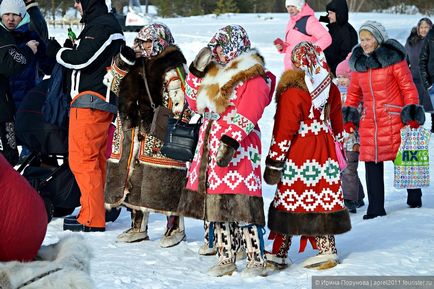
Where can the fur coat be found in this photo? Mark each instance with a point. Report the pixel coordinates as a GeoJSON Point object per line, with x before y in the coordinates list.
{"type": "Point", "coordinates": [302, 161]}
{"type": "Point", "coordinates": [232, 99]}
{"type": "Point", "coordinates": [138, 175]}
{"type": "Point", "coordinates": [62, 265]}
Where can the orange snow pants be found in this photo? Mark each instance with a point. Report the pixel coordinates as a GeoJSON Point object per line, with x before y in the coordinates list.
{"type": "Point", "coordinates": [88, 129]}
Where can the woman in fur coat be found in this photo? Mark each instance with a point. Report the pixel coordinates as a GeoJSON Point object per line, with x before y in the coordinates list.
{"type": "Point", "coordinates": [302, 161]}
{"type": "Point", "coordinates": [381, 80]}
{"type": "Point", "coordinates": [228, 84]}
{"type": "Point", "coordinates": [139, 176]}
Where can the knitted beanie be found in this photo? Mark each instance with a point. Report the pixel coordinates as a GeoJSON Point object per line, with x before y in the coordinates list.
{"type": "Point", "coordinates": [343, 69]}
{"type": "Point", "coordinates": [13, 6]}
{"type": "Point", "coordinates": [376, 29]}
{"type": "Point", "coordinates": [297, 3]}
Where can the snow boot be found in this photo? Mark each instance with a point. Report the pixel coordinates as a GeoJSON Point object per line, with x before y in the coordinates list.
{"type": "Point", "coordinates": [277, 259]}
{"type": "Point", "coordinates": [226, 248]}
{"type": "Point", "coordinates": [253, 240]}
{"type": "Point", "coordinates": [327, 257]}
{"type": "Point", "coordinates": [208, 247]}
{"type": "Point", "coordinates": [175, 232]}
{"type": "Point", "coordinates": [139, 228]}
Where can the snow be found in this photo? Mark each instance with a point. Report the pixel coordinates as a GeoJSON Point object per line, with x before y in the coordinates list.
{"type": "Point", "coordinates": [397, 244]}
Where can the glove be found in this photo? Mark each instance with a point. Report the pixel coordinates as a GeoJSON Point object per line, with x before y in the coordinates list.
{"type": "Point", "coordinates": [349, 127]}
{"type": "Point", "coordinates": [273, 171]}
{"type": "Point", "coordinates": [413, 115]}
{"type": "Point", "coordinates": [200, 63]}
{"type": "Point", "coordinates": [68, 43]}
{"type": "Point", "coordinates": [226, 150]}
{"type": "Point", "coordinates": [52, 47]}
{"type": "Point", "coordinates": [126, 58]}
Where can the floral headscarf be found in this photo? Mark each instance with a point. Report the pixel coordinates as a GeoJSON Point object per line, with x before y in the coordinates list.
{"type": "Point", "coordinates": [160, 36]}
{"type": "Point", "coordinates": [233, 40]}
{"type": "Point", "coordinates": [311, 59]}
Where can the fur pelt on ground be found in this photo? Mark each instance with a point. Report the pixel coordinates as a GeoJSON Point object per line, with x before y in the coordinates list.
{"type": "Point", "coordinates": [63, 265]}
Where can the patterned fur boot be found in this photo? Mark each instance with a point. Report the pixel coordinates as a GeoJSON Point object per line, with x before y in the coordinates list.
{"type": "Point", "coordinates": [327, 256]}
{"type": "Point", "coordinates": [253, 240]}
{"type": "Point", "coordinates": [208, 247]}
{"type": "Point", "coordinates": [277, 258]}
{"type": "Point", "coordinates": [226, 248]}
{"type": "Point", "coordinates": [139, 228]}
{"type": "Point", "coordinates": [175, 232]}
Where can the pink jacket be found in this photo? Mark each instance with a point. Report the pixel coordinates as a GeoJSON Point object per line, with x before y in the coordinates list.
{"type": "Point", "coordinates": [317, 34]}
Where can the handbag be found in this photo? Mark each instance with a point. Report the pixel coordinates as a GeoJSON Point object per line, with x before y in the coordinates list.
{"type": "Point", "coordinates": [161, 115]}
{"type": "Point", "coordinates": [342, 161]}
{"type": "Point", "coordinates": [411, 165]}
{"type": "Point", "coordinates": [181, 138]}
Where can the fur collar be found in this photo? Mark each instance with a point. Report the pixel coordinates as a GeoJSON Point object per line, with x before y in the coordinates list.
{"type": "Point", "coordinates": [218, 84]}
{"type": "Point", "coordinates": [290, 79]}
{"type": "Point", "coordinates": [388, 53]}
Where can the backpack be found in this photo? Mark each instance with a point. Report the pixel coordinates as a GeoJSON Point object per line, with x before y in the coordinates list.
{"type": "Point", "coordinates": [56, 106]}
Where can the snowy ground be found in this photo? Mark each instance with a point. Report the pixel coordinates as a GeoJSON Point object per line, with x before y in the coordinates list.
{"type": "Point", "coordinates": [397, 244]}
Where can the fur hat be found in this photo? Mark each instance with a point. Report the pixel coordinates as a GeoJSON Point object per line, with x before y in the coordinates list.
{"type": "Point", "coordinates": [376, 29]}
{"type": "Point", "coordinates": [343, 68]}
{"type": "Point", "coordinates": [297, 3]}
{"type": "Point", "coordinates": [13, 6]}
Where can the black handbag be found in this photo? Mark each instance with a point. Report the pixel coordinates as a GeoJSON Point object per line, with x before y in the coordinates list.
{"type": "Point", "coordinates": [181, 139]}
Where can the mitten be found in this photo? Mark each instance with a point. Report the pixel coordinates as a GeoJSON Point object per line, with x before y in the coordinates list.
{"type": "Point", "coordinates": [200, 63]}
{"type": "Point", "coordinates": [413, 115]}
{"type": "Point", "coordinates": [119, 68]}
{"type": "Point", "coordinates": [126, 59]}
{"type": "Point", "coordinates": [226, 150]}
{"type": "Point", "coordinates": [52, 47]}
{"type": "Point", "coordinates": [68, 43]}
{"type": "Point", "coordinates": [273, 171]}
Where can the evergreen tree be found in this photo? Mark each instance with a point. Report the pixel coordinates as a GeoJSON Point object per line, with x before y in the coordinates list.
{"type": "Point", "coordinates": [226, 6]}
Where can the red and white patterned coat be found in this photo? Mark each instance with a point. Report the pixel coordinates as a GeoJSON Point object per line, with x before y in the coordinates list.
{"type": "Point", "coordinates": [238, 118]}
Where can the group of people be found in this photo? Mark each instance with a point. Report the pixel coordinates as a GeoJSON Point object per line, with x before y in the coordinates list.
{"type": "Point", "coordinates": [229, 86]}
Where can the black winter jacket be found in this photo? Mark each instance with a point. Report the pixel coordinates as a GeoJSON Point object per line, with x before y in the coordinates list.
{"type": "Point", "coordinates": [426, 62]}
{"type": "Point", "coordinates": [100, 40]}
{"type": "Point", "coordinates": [13, 60]}
{"type": "Point", "coordinates": [344, 36]}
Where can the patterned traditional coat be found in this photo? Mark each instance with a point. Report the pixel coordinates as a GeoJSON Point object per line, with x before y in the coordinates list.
{"type": "Point", "coordinates": [309, 198]}
{"type": "Point", "coordinates": [232, 98]}
{"type": "Point", "coordinates": [138, 175]}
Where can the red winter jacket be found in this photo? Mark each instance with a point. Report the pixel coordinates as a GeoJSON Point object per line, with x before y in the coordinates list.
{"type": "Point", "coordinates": [23, 219]}
{"type": "Point", "coordinates": [383, 82]}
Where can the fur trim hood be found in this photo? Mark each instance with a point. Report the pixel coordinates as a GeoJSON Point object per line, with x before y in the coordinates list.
{"type": "Point", "coordinates": [388, 53]}
{"type": "Point", "coordinates": [290, 79]}
{"type": "Point", "coordinates": [218, 84]}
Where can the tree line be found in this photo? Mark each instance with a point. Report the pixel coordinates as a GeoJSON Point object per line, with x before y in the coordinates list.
{"type": "Point", "coordinates": [173, 8]}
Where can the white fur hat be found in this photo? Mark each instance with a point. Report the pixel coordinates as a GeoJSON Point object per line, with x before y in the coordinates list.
{"type": "Point", "coordinates": [297, 3]}
{"type": "Point", "coordinates": [13, 6]}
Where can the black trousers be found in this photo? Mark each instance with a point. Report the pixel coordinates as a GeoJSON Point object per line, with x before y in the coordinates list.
{"type": "Point", "coordinates": [375, 187]}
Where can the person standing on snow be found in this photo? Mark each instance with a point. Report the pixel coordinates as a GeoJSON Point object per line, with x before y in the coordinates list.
{"type": "Point", "coordinates": [229, 85]}
{"type": "Point", "coordinates": [381, 80]}
{"type": "Point", "coordinates": [302, 161]}
{"type": "Point", "coordinates": [344, 36]}
{"type": "Point", "coordinates": [302, 26]}
{"type": "Point", "coordinates": [143, 179]}
{"type": "Point", "coordinates": [93, 106]}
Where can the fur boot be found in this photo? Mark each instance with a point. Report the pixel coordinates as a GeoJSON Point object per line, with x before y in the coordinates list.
{"type": "Point", "coordinates": [62, 265]}
{"type": "Point", "coordinates": [175, 232]}
{"type": "Point", "coordinates": [226, 248]}
{"type": "Point", "coordinates": [139, 228]}
{"type": "Point", "coordinates": [327, 256]}
{"type": "Point", "coordinates": [253, 240]}
{"type": "Point", "coordinates": [208, 247]}
{"type": "Point", "coordinates": [277, 259]}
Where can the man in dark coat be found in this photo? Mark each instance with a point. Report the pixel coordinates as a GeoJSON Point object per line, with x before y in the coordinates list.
{"type": "Point", "coordinates": [344, 36]}
{"type": "Point", "coordinates": [93, 106]}
{"type": "Point", "coordinates": [426, 66]}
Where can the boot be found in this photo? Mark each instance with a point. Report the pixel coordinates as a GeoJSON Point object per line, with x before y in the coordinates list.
{"type": "Point", "coordinates": [253, 240]}
{"type": "Point", "coordinates": [226, 248]}
{"type": "Point", "coordinates": [208, 247]}
{"type": "Point", "coordinates": [139, 228]}
{"type": "Point", "coordinates": [277, 259]}
{"type": "Point", "coordinates": [175, 232]}
{"type": "Point", "coordinates": [327, 256]}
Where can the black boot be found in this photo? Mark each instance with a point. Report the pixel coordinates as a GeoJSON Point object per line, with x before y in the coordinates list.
{"type": "Point", "coordinates": [351, 206]}
{"type": "Point", "coordinates": [432, 122]}
{"type": "Point", "coordinates": [414, 198]}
